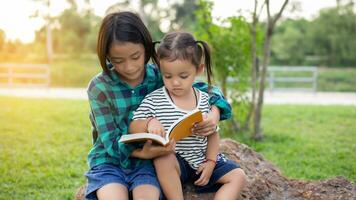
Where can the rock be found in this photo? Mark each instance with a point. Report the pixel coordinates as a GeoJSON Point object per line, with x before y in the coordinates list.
{"type": "Point", "coordinates": [265, 181]}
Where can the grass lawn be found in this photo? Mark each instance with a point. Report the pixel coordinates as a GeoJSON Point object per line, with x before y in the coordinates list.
{"type": "Point", "coordinates": [44, 144]}
{"type": "Point", "coordinates": [337, 79]}
{"type": "Point", "coordinates": [308, 142]}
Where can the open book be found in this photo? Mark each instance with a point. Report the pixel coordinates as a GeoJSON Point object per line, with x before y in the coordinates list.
{"type": "Point", "coordinates": [180, 129]}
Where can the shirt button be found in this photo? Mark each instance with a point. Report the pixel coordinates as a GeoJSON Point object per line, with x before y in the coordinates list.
{"type": "Point", "coordinates": [132, 91]}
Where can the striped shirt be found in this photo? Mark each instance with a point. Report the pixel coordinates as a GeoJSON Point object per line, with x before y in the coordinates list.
{"type": "Point", "coordinates": [158, 104]}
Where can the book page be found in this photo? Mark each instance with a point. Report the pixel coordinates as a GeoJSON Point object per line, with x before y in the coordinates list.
{"type": "Point", "coordinates": [137, 137]}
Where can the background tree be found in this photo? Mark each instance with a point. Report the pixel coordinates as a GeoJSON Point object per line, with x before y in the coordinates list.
{"type": "Point", "coordinates": [2, 39]}
{"type": "Point", "coordinates": [270, 24]}
{"type": "Point", "coordinates": [292, 43]}
{"type": "Point", "coordinates": [231, 46]}
{"type": "Point", "coordinates": [327, 40]}
{"type": "Point", "coordinates": [48, 26]}
{"type": "Point", "coordinates": [255, 38]}
{"type": "Point", "coordinates": [185, 17]}
{"type": "Point", "coordinates": [333, 35]}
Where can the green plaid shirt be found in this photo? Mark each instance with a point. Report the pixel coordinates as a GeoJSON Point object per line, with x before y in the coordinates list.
{"type": "Point", "coordinates": [112, 103]}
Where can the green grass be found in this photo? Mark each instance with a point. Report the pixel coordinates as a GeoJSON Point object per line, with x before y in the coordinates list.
{"type": "Point", "coordinates": [308, 142]}
{"type": "Point", "coordinates": [43, 148]}
{"type": "Point", "coordinates": [337, 79]}
{"type": "Point", "coordinates": [44, 144]}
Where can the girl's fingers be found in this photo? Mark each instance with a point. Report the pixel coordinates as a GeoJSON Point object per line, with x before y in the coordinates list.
{"type": "Point", "coordinates": [205, 132]}
{"type": "Point", "coordinates": [201, 181]}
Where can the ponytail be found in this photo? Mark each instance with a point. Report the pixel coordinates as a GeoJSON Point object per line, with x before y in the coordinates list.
{"type": "Point", "coordinates": [204, 48]}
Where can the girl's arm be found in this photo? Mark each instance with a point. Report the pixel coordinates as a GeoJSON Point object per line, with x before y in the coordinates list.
{"type": "Point", "coordinates": [149, 125]}
{"type": "Point", "coordinates": [216, 99]}
{"type": "Point", "coordinates": [220, 110]}
{"type": "Point", "coordinates": [106, 127]}
{"type": "Point", "coordinates": [213, 147]}
{"type": "Point", "coordinates": [138, 126]}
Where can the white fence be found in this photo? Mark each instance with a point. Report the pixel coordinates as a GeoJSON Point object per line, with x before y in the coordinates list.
{"type": "Point", "coordinates": [289, 78]}
{"type": "Point", "coordinates": [307, 81]}
{"type": "Point", "coordinates": [24, 75]}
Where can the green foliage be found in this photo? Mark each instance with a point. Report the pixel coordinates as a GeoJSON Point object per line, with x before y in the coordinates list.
{"type": "Point", "coordinates": [333, 34]}
{"type": "Point", "coordinates": [76, 33]}
{"type": "Point", "coordinates": [231, 45]}
{"type": "Point", "coordinates": [327, 40]}
{"type": "Point", "coordinates": [74, 71]}
{"type": "Point", "coordinates": [185, 15]}
{"type": "Point", "coordinates": [16, 52]}
{"type": "Point", "coordinates": [231, 53]}
{"type": "Point", "coordinates": [290, 42]}
{"type": "Point", "coordinates": [307, 142]}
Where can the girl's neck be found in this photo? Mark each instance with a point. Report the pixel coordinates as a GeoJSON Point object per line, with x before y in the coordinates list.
{"type": "Point", "coordinates": [133, 82]}
{"type": "Point", "coordinates": [188, 101]}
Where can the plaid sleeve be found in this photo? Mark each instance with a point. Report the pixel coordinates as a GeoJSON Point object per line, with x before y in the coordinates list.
{"type": "Point", "coordinates": [108, 132]}
{"type": "Point", "coordinates": [217, 99]}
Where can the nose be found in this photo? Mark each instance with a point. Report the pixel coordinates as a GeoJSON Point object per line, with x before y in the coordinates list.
{"type": "Point", "coordinates": [176, 82]}
{"type": "Point", "coordinates": [127, 64]}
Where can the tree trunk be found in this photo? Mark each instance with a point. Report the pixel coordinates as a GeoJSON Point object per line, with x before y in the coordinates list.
{"type": "Point", "coordinates": [223, 85]}
{"type": "Point", "coordinates": [257, 133]}
{"type": "Point", "coordinates": [253, 74]}
{"type": "Point", "coordinates": [49, 45]}
{"type": "Point", "coordinates": [271, 21]}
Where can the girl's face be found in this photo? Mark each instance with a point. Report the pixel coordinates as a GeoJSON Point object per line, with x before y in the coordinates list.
{"type": "Point", "coordinates": [128, 60]}
{"type": "Point", "coordinates": [178, 76]}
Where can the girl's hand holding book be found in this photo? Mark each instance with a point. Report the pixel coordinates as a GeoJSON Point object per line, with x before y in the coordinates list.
{"type": "Point", "coordinates": [150, 151]}
{"type": "Point", "coordinates": [155, 126]}
{"type": "Point", "coordinates": [207, 126]}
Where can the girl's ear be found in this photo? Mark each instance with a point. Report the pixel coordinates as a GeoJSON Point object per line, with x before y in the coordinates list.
{"type": "Point", "coordinates": [201, 69]}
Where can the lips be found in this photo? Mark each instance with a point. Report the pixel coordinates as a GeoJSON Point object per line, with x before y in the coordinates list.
{"type": "Point", "coordinates": [177, 89]}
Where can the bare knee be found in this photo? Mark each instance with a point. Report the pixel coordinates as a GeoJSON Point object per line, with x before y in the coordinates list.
{"type": "Point", "coordinates": [168, 161]}
{"type": "Point", "coordinates": [236, 177]}
{"type": "Point", "coordinates": [239, 177]}
{"type": "Point", "coordinates": [112, 191]}
{"type": "Point", "coordinates": [145, 192]}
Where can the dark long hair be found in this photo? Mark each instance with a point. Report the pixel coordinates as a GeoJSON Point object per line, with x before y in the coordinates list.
{"type": "Point", "coordinates": [183, 46]}
{"type": "Point", "coordinates": [123, 27]}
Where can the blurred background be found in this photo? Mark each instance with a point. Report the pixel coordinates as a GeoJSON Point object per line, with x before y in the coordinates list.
{"type": "Point", "coordinates": [309, 33]}
{"type": "Point", "coordinates": [289, 76]}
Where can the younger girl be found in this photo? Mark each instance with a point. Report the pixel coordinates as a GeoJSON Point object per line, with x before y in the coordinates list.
{"type": "Point", "coordinates": [196, 157]}
{"type": "Point", "coordinates": [124, 48]}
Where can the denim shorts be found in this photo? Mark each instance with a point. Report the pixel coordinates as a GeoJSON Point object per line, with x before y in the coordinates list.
{"type": "Point", "coordinates": [104, 174]}
{"type": "Point", "coordinates": [222, 167]}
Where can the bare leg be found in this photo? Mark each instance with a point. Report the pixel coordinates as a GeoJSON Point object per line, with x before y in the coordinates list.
{"type": "Point", "coordinates": [145, 192]}
{"type": "Point", "coordinates": [168, 173]}
{"type": "Point", "coordinates": [233, 183]}
{"type": "Point", "coordinates": [113, 191]}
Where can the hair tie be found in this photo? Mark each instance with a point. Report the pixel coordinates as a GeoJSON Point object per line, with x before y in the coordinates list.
{"type": "Point", "coordinates": [155, 42]}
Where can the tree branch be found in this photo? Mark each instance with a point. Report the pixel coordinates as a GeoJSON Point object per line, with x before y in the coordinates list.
{"type": "Point", "coordinates": [279, 14]}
